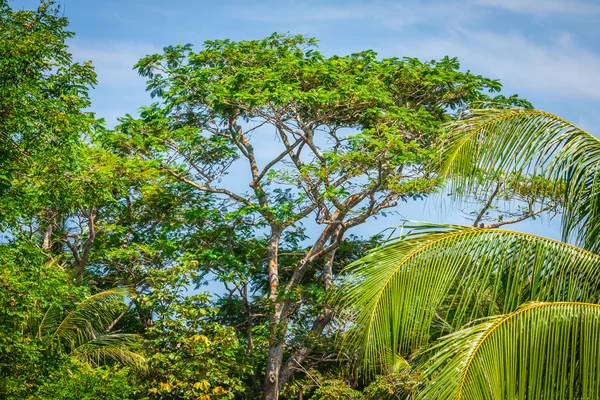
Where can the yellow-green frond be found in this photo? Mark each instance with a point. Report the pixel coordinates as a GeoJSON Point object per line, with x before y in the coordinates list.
{"type": "Point", "coordinates": [540, 351]}
{"type": "Point", "coordinates": [438, 277]}
{"type": "Point", "coordinates": [522, 142]}
{"type": "Point", "coordinates": [110, 348]}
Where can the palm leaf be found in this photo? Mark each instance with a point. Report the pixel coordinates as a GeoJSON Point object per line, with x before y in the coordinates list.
{"type": "Point", "coordinates": [80, 333]}
{"type": "Point", "coordinates": [438, 277]}
{"type": "Point", "coordinates": [531, 143]}
{"type": "Point", "coordinates": [93, 313]}
{"type": "Point", "coordinates": [540, 351]}
{"type": "Point", "coordinates": [110, 348]}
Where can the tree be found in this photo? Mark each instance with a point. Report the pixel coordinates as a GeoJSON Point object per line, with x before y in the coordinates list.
{"type": "Point", "coordinates": [51, 181]}
{"type": "Point", "coordinates": [48, 324]}
{"type": "Point", "coordinates": [498, 301]}
{"type": "Point", "coordinates": [338, 139]}
{"type": "Point", "coordinates": [42, 94]}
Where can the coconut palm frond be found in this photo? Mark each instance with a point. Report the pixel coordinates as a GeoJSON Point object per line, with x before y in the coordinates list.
{"type": "Point", "coordinates": [539, 351]}
{"type": "Point", "coordinates": [81, 332]}
{"type": "Point", "coordinates": [523, 142]}
{"type": "Point", "coordinates": [110, 348]}
{"type": "Point", "coordinates": [93, 313]}
{"type": "Point", "coordinates": [438, 277]}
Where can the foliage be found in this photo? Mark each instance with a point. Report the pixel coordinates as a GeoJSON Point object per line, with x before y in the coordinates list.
{"type": "Point", "coordinates": [189, 356]}
{"type": "Point", "coordinates": [151, 211]}
{"type": "Point", "coordinates": [514, 314]}
{"type": "Point", "coordinates": [46, 322]}
{"type": "Point", "coordinates": [434, 279]}
{"type": "Point", "coordinates": [336, 390]}
{"type": "Point", "coordinates": [82, 382]}
{"type": "Point", "coordinates": [391, 386]}
{"type": "Point", "coordinates": [29, 286]}
{"type": "Point", "coordinates": [355, 135]}
{"type": "Point", "coordinates": [41, 119]}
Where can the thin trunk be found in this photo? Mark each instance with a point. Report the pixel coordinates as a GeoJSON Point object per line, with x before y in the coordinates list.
{"type": "Point", "coordinates": [276, 327]}
{"type": "Point", "coordinates": [116, 320]}
{"type": "Point", "coordinates": [279, 319]}
{"type": "Point", "coordinates": [318, 325]}
{"type": "Point", "coordinates": [47, 243]}
{"type": "Point", "coordinates": [250, 345]}
{"type": "Point", "coordinates": [487, 205]}
{"type": "Point", "coordinates": [273, 255]}
{"type": "Point", "coordinates": [79, 268]}
{"type": "Point", "coordinates": [297, 359]}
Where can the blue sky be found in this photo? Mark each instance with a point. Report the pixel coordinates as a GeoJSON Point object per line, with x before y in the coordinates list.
{"type": "Point", "coordinates": [547, 51]}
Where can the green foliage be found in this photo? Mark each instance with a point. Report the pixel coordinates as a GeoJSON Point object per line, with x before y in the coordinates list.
{"type": "Point", "coordinates": [355, 135]}
{"type": "Point", "coordinates": [396, 105]}
{"type": "Point", "coordinates": [190, 357]}
{"type": "Point", "coordinates": [29, 287]}
{"type": "Point", "coordinates": [149, 207]}
{"type": "Point", "coordinates": [477, 285]}
{"type": "Point", "coordinates": [332, 390]}
{"type": "Point", "coordinates": [41, 122]}
{"type": "Point", "coordinates": [82, 382]}
{"type": "Point", "coordinates": [392, 386]}
{"type": "Point", "coordinates": [47, 321]}
{"type": "Point", "coordinates": [436, 278]}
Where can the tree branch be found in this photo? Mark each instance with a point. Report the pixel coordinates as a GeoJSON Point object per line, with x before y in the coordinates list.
{"type": "Point", "coordinates": [515, 220]}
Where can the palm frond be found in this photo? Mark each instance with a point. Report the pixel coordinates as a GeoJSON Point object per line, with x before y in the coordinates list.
{"type": "Point", "coordinates": [540, 351]}
{"type": "Point", "coordinates": [110, 348]}
{"type": "Point", "coordinates": [438, 277]}
{"type": "Point", "coordinates": [81, 333]}
{"type": "Point", "coordinates": [95, 312]}
{"type": "Point", "coordinates": [530, 143]}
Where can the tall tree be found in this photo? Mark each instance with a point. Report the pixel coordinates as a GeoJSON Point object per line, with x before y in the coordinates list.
{"type": "Point", "coordinates": [333, 139]}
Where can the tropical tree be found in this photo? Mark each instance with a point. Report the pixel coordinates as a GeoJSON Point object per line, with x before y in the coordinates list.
{"type": "Point", "coordinates": [325, 141]}
{"type": "Point", "coordinates": [484, 313]}
{"type": "Point", "coordinates": [42, 97]}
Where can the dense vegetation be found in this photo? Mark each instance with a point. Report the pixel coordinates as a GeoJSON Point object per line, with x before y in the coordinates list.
{"type": "Point", "coordinates": [252, 173]}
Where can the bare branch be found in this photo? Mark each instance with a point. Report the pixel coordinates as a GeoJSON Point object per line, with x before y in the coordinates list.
{"type": "Point", "coordinates": [208, 189]}
{"type": "Point", "coordinates": [488, 204]}
{"type": "Point", "coordinates": [515, 220]}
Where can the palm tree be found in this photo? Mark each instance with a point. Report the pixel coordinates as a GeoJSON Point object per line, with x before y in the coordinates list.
{"type": "Point", "coordinates": [492, 314]}
{"type": "Point", "coordinates": [82, 333]}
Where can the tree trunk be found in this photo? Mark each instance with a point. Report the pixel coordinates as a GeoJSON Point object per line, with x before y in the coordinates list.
{"type": "Point", "coordinates": [275, 357]}
{"type": "Point", "coordinates": [47, 242]}
{"type": "Point", "coordinates": [271, 387]}
{"type": "Point", "coordinates": [317, 329]}
{"type": "Point", "coordinates": [278, 322]}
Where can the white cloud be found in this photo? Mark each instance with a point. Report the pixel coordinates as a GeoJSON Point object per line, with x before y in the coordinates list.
{"type": "Point", "coordinates": [390, 14]}
{"type": "Point", "coordinates": [543, 6]}
{"type": "Point", "coordinates": [559, 69]}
